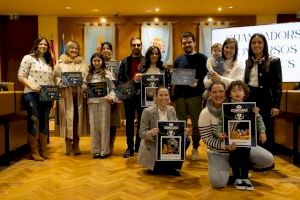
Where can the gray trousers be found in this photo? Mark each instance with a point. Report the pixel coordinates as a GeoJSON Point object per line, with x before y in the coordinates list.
{"type": "Point", "coordinates": [99, 117]}
{"type": "Point", "coordinates": [218, 164]}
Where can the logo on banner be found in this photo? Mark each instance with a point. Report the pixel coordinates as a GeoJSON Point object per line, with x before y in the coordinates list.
{"type": "Point", "coordinates": [157, 41]}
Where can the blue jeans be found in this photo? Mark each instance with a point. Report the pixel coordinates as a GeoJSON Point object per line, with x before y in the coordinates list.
{"type": "Point", "coordinates": [38, 114]}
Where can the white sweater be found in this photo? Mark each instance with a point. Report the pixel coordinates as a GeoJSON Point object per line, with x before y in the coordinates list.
{"type": "Point", "coordinates": [236, 72]}
{"type": "Point", "coordinates": [36, 70]}
{"type": "Point", "coordinates": [208, 126]}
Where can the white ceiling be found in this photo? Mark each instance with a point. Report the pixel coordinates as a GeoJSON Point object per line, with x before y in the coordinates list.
{"type": "Point", "coordinates": [147, 7]}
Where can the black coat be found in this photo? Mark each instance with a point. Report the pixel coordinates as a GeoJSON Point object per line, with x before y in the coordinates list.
{"type": "Point", "coordinates": [269, 79]}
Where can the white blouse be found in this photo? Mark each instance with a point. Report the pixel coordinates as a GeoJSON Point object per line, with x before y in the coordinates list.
{"type": "Point", "coordinates": [36, 70]}
{"type": "Point", "coordinates": [109, 78]}
{"type": "Point", "coordinates": [253, 78]}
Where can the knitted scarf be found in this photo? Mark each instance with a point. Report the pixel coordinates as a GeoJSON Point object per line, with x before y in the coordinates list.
{"type": "Point", "coordinates": [217, 112]}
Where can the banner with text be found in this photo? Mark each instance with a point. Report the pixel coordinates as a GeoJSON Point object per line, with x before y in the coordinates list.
{"type": "Point", "coordinates": [283, 42]}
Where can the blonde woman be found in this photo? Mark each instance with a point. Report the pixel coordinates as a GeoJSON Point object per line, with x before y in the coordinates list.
{"type": "Point", "coordinates": [71, 106]}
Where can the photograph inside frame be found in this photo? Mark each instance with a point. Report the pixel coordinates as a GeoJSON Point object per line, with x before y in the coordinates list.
{"type": "Point", "coordinates": [171, 141]}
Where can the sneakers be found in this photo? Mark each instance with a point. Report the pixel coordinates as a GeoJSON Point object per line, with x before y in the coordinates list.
{"type": "Point", "coordinates": [239, 184]}
{"type": "Point", "coordinates": [248, 185]}
{"type": "Point", "coordinates": [195, 155]}
{"type": "Point", "coordinates": [243, 184]}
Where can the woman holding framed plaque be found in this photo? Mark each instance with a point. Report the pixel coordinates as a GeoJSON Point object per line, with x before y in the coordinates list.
{"type": "Point", "coordinates": [217, 151]}
{"type": "Point", "coordinates": [70, 72]}
{"type": "Point", "coordinates": [100, 91]}
{"type": "Point", "coordinates": [148, 131]}
{"type": "Point", "coordinates": [36, 69]}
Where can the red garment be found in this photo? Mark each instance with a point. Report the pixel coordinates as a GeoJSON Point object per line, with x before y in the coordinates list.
{"type": "Point", "coordinates": [135, 65]}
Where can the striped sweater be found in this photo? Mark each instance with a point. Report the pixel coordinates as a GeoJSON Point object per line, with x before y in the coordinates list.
{"type": "Point", "coordinates": [208, 126]}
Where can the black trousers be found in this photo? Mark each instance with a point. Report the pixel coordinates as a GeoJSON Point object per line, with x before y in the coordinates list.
{"type": "Point", "coordinates": [263, 99]}
{"type": "Point", "coordinates": [131, 106]}
{"type": "Point", "coordinates": [240, 162]}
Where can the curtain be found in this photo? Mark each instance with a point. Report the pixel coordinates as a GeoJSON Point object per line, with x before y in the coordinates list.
{"type": "Point", "coordinates": [205, 35]}
{"type": "Point", "coordinates": [95, 35]}
{"type": "Point", "coordinates": [159, 35]}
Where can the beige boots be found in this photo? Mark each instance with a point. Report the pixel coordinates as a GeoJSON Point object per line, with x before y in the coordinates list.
{"type": "Point", "coordinates": [43, 146]}
{"type": "Point", "coordinates": [36, 153]}
{"type": "Point", "coordinates": [72, 146]}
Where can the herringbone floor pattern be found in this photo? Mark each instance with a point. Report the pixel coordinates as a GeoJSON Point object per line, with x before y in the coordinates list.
{"type": "Point", "coordinates": [115, 178]}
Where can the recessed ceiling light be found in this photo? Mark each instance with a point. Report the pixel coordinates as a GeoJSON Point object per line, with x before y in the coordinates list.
{"type": "Point", "coordinates": [156, 9]}
{"type": "Point", "coordinates": [95, 10]}
{"type": "Point", "coordinates": [156, 20]}
{"type": "Point", "coordinates": [210, 19]}
{"type": "Point", "coordinates": [219, 9]}
{"type": "Point", "coordinates": [230, 7]}
{"type": "Point", "coordinates": [68, 8]}
{"type": "Point", "coordinates": [103, 19]}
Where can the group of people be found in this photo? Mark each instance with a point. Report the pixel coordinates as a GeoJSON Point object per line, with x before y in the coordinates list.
{"type": "Point", "coordinates": [259, 80]}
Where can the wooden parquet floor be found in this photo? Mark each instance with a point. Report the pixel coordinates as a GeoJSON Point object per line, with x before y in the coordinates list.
{"type": "Point", "coordinates": [115, 178]}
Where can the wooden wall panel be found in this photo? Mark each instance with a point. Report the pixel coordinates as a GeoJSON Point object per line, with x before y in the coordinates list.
{"type": "Point", "coordinates": [283, 130]}
{"type": "Point", "coordinates": [17, 39]}
{"type": "Point", "coordinates": [2, 139]}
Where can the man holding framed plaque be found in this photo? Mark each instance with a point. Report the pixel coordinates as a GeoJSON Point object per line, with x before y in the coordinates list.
{"type": "Point", "coordinates": [188, 96]}
{"type": "Point", "coordinates": [129, 71]}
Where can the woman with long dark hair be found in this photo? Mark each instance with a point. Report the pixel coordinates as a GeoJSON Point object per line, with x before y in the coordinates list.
{"type": "Point", "coordinates": [36, 69]}
{"type": "Point", "coordinates": [100, 107]}
{"type": "Point", "coordinates": [264, 77]}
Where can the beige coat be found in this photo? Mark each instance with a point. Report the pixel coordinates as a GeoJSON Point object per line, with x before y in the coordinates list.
{"type": "Point", "coordinates": [66, 108]}
{"type": "Point", "coordinates": [147, 150]}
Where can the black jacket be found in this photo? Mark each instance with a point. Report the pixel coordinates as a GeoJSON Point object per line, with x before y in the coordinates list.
{"type": "Point", "coordinates": [269, 79]}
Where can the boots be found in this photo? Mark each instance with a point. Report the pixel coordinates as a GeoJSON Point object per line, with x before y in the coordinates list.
{"type": "Point", "coordinates": [34, 151]}
{"type": "Point", "coordinates": [43, 146]}
{"type": "Point", "coordinates": [69, 148]}
{"type": "Point", "coordinates": [112, 143]}
{"type": "Point", "coordinates": [76, 149]}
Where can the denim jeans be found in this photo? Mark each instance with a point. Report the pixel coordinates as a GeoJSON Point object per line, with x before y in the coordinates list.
{"type": "Point", "coordinates": [38, 114]}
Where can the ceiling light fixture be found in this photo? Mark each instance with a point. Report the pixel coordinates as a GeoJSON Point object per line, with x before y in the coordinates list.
{"type": "Point", "coordinates": [230, 7]}
{"type": "Point", "coordinates": [95, 10]}
{"type": "Point", "coordinates": [156, 9]}
{"type": "Point", "coordinates": [68, 8]}
{"type": "Point", "coordinates": [210, 19]}
{"type": "Point", "coordinates": [103, 20]}
{"type": "Point", "coordinates": [219, 9]}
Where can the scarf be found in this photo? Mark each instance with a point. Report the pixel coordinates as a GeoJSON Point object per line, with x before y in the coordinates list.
{"type": "Point", "coordinates": [217, 112]}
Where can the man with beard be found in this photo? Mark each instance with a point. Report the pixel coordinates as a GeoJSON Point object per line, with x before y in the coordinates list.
{"type": "Point", "coordinates": [188, 98]}
{"type": "Point", "coordinates": [129, 70]}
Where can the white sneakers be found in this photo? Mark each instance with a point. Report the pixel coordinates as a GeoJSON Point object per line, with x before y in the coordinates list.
{"type": "Point", "coordinates": [195, 154]}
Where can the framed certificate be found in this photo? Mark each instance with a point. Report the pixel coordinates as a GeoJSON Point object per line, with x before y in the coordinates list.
{"type": "Point", "coordinates": [49, 93]}
{"type": "Point", "coordinates": [239, 122]}
{"type": "Point", "coordinates": [125, 90]}
{"type": "Point", "coordinates": [170, 141]}
{"type": "Point", "coordinates": [98, 89]}
{"type": "Point", "coordinates": [183, 76]}
{"type": "Point", "coordinates": [71, 78]}
{"type": "Point", "coordinates": [149, 83]}
{"type": "Point", "coordinates": [112, 66]}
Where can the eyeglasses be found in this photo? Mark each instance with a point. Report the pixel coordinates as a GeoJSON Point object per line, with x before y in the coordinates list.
{"type": "Point", "coordinates": [138, 45]}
